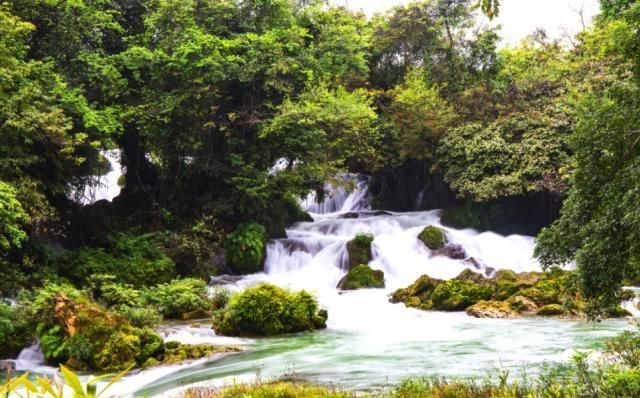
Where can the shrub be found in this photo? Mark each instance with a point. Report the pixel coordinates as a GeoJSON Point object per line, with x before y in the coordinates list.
{"type": "Point", "coordinates": [14, 333]}
{"type": "Point", "coordinates": [179, 297]}
{"type": "Point", "coordinates": [133, 259]}
{"type": "Point", "coordinates": [266, 309]}
{"type": "Point", "coordinates": [76, 331]}
{"type": "Point", "coordinates": [245, 248]}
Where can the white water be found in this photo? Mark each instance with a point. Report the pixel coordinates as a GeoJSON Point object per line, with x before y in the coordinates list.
{"type": "Point", "coordinates": [106, 186]}
{"type": "Point", "coordinates": [369, 341]}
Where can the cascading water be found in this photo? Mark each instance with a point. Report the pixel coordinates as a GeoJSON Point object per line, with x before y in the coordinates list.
{"type": "Point", "coordinates": [106, 187]}
{"type": "Point", "coordinates": [370, 341]}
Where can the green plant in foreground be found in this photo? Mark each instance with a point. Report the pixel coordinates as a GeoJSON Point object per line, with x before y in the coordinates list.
{"type": "Point", "coordinates": [45, 387]}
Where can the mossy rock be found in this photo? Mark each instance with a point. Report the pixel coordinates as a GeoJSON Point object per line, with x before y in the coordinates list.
{"type": "Point", "coordinates": [478, 279]}
{"type": "Point", "coordinates": [362, 277]}
{"type": "Point", "coordinates": [491, 309]}
{"type": "Point", "coordinates": [421, 289]}
{"type": "Point", "coordinates": [551, 310]}
{"type": "Point", "coordinates": [359, 250]}
{"type": "Point", "coordinates": [455, 295]}
{"type": "Point", "coordinates": [433, 237]}
{"type": "Point", "coordinates": [522, 304]}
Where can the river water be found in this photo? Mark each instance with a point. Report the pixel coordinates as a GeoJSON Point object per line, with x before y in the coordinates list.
{"type": "Point", "coordinates": [370, 343]}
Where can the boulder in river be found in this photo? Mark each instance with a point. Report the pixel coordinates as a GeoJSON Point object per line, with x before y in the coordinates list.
{"type": "Point", "coordinates": [433, 237]}
{"type": "Point", "coordinates": [452, 250]}
{"type": "Point", "coordinates": [362, 277]}
{"type": "Point", "coordinates": [491, 309]}
{"type": "Point", "coordinates": [359, 250]}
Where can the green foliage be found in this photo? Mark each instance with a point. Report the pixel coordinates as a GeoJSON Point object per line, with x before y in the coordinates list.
{"type": "Point", "coordinates": [433, 237]}
{"type": "Point", "coordinates": [510, 157]}
{"type": "Point", "coordinates": [597, 228]}
{"type": "Point", "coordinates": [362, 277]}
{"type": "Point", "coordinates": [245, 248]}
{"type": "Point", "coordinates": [135, 259]}
{"type": "Point", "coordinates": [419, 116]}
{"type": "Point", "coordinates": [13, 217]}
{"type": "Point", "coordinates": [268, 310]}
{"type": "Point", "coordinates": [179, 297]}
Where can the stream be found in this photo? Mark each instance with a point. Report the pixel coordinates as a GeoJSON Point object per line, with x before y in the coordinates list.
{"type": "Point", "coordinates": [370, 343]}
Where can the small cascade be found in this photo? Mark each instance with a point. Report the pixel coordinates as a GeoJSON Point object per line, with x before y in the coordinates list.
{"type": "Point", "coordinates": [339, 199]}
{"type": "Point", "coordinates": [106, 186]}
{"type": "Point", "coordinates": [632, 305]}
{"type": "Point", "coordinates": [30, 358]}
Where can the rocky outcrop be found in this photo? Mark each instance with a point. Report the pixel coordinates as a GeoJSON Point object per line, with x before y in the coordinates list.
{"type": "Point", "coordinates": [504, 295]}
{"type": "Point", "coordinates": [491, 309]}
{"type": "Point", "coordinates": [362, 277]}
{"type": "Point", "coordinates": [433, 237]}
{"type": "Point", "coordinates": [359, 250]}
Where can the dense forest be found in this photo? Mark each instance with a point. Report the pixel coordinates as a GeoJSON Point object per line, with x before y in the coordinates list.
{"type": "Point", "coordinates": [227, 113]}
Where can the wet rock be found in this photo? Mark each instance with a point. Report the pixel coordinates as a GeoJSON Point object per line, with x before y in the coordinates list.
{"type": "Point", "coordinates": [523, 304]}
{"type": "Point", "coordinates": [433, 237]}
{"type": "Point", "coordinates": [362, 277]}
{"type": "Point", "coordinates": [7, 364]}
{"type": "Point", "coordinates": [452, 250]}
{"type": "Point", "coordinates": [491, 309]}
{"type": "Point", "coordinates": [224, 279]}
{"type": "Point", "coordinates": [472, 262]}
{"type": "Point", "coordinates": [197, 314]}
{"type": "Point", "coordinates": [359, 250]}
{"type": "Point", "coordinates": [417, 293]}
{"type": "Point", "coordinates": [350, 215]}
{"type": "Point", "coordinates": [551, 310]}
{"type": "Point", "coordinates": [479, 279]}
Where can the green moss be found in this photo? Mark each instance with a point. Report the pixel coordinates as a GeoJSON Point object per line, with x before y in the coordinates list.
{"type": "Point", "coordinates": [455, 295]}
{"type": "Point", "coordinates": [359, 250]}
{"type": "Point", "coordinates": [433, 237]}
{"type": "Point", "coordinates": [176, 353]}
{"type": "Point", "coordinates": [490, 309]}
{"type": "Point", "coordinates": [551, 309]}
{"type": "Point", "coordinates": [246, 248]}
{"type": "Point", "coordinates": [362, 277]}
{"type": "Point", "coordinates": [504, 290]}
{"type": "Point", "coordinates": [266, 309]}
{"type": "Point", "coordinates": [421, 290]}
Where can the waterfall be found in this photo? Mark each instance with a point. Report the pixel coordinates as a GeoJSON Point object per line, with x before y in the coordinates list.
{"type": "Point", "coordinates": [106, 186]}
{"type": "Point", "coordinates": [339, 199]}
{"type": "Point", "coordinates": [30, 358]}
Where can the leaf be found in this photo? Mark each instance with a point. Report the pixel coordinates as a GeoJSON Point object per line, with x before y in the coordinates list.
{"type": "Point", "coordinates": [114, 380]}
{"type": "Point", "coordinates": [72, 380]}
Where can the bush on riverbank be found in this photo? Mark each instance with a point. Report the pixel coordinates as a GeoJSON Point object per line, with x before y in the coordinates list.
{"type": "Point", "coordinates": [266, 309]}
{"type": "Point", "coordinates": [246, 248]}
{"type": "Point", "coordinates": [75, 331]}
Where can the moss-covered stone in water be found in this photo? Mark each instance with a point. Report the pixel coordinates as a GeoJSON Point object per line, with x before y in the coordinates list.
{"type": "Point", "coordinates": [362, 277]}
{"type": "Point", "coordinates": [551, 309]}
{"type": "Point", "coordinates": [491, 309]}
{"type": "Point", "coordinates": [359, 250]}
{"type": "Point", "coordinates": [457, 295]}
{"type": "Point", "coordinates": [421, 290]}
{"type": "Point", "coordinates": [433, 237]}
{"type": "Point", "coordinates": [522, 304]}
{"type": "Point", "coordinates": [618, 312]}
